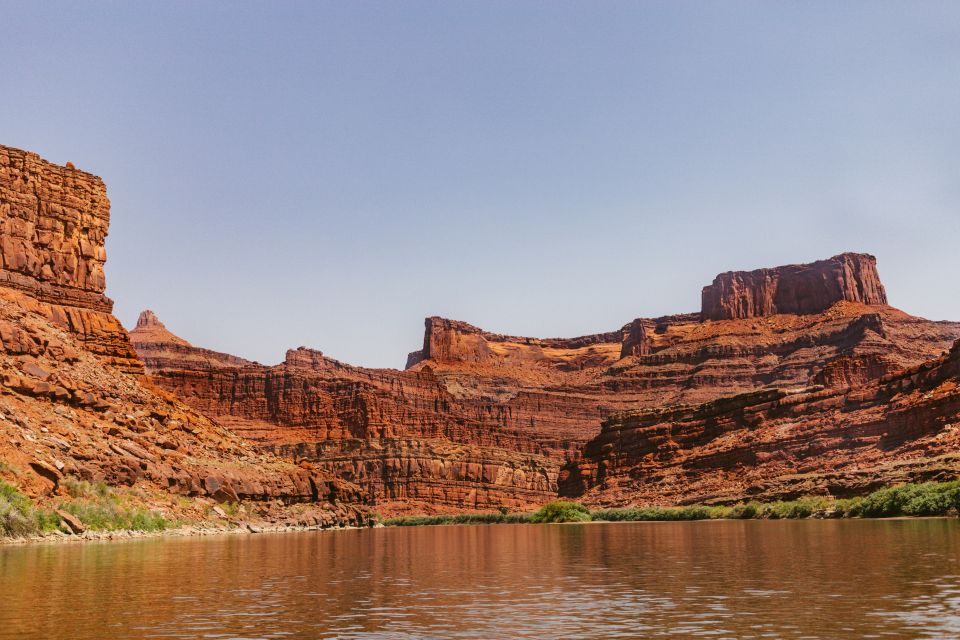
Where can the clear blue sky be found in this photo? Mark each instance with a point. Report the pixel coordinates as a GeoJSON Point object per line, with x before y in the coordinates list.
{"type": "Point", "coordinates": [328, 174]}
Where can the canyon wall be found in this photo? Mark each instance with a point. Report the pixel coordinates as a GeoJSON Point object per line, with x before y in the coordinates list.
{"type": "Point", "coordinates": [481, 419]}
{"type": "Point", "coordinates": [401, 436]}
{"type": "Point", "coordinates": [790, 380]}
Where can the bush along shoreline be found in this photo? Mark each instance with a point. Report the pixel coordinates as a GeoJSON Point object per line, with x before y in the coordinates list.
{"type": "Point", "coordinates": [86, 507]}
{"type": "Point", "coordinates": [905, 500]}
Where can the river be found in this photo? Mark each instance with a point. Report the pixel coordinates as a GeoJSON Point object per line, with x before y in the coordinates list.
{"type": "Point", "coordinates": [726, 579]}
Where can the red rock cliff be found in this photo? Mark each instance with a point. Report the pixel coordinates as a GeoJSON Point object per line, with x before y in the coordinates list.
{"type": "Point", "coordinates": [798, 289]}
{"type": "Point", "coordinates": [53, 224]}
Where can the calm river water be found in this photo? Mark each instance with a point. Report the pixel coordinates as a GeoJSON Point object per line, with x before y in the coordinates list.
{"type": "Point", "coordinates": [798, 579]}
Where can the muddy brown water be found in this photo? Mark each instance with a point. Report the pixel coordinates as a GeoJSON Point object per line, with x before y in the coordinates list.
{"type": "Point", "coordinates": [788, 579]}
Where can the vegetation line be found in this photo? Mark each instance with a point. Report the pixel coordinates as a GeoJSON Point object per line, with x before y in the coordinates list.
{"type": "Point", "coordinates": [927, 499]}
{"type": "Point", "coordinates": [94, 506]}
{"type": "Point", "coordinates": [98, 508]}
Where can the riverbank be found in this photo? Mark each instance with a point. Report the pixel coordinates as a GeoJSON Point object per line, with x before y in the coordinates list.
{"type": "Point", "coordinates": [928, 499]}
{"type": "Point", "coordinates": [86, 512]}
{"type": "Point", "coordinates": [242, 529]}
{"type": "Point", "coordinates": [97, 514]}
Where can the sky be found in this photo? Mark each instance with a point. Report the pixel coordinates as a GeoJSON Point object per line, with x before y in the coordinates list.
{"type": "Point", "coordinates": [328, 174]}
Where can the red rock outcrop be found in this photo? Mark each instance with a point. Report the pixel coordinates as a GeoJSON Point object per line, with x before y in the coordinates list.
{"type": "Point", "coordinates": [160, 349]}
{"type": "Point", "coordinates": [779, 443]}
{"type": "Point", "coordinates": [800, 289]}
{"type": "Point", "coordinates": [480, 419]}
{"type": "Point", "coordinates": [53, 223]}
{"type": "Point", "coordinates": [73, 397]}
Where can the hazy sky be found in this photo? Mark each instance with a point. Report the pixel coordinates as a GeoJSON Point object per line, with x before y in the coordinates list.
{"type": "Point", "coordinates": [328, 174]}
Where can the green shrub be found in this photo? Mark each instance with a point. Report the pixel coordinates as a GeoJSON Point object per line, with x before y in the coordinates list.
{"type": "Point", "coordinates": [561, 511]}
{"type": "Point", "coordinates": [143, 520]}
{"type": "Point", "coordinates": [659, 514]}
{"type": "Point", "coordinates": [82, 489]}
{"type": "Point", "coordinates": [927, 499]}
{"type": "Point", "coordinates": [48, 521]}
{"type": "Point", "coordinates": [744, 511]}
{"type": "Point", "coordinates": [17, 515]}
{"type": "Point", "coordinates": [107, 514]}
{"type": "Point", "coordinates": [463, 518]}
{"type": "Point", "coordinates": [791, 510]}
{"type": "Point", "coordinates": [883, 503]}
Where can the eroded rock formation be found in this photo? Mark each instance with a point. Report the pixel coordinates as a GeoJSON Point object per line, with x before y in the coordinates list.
{"type": "Point", "coordinates": [402, 436]}
{"type": "Point", "coordinates": [160, 349]}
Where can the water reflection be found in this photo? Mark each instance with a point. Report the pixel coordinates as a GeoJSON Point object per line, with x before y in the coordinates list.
{"type": "Point", "coordinates": [823, 579]}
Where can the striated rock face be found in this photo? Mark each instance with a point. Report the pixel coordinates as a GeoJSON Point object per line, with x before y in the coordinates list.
{"type": "Point", "coordinates": [53, 224]}
{"type": "Point", "coordinates": [799, 289]}
{"type": "Point", "coordinates": [779, 444]}
{"type": "Point", "coordinates": [73, 397]}
{"type": "Point", "coordinates": [402, 436]}
{"type": "Point", "coordinates": [480, 419]}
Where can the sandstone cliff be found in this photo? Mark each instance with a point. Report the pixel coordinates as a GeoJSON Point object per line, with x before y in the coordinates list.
{"type": "Point", "coordinates": [790, 380]}
{"type": "Point", "coordinates": [401, 436]}
{"type": "Point", "coordinates": [159, 349]}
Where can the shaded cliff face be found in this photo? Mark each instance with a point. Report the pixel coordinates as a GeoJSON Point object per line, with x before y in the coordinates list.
{"type": "Point", "coordinates": [779, 444]}
{"type": "Point", "coordinates": [800, 289]}
{"type": "Point", "coordinates": [481, 419]}
{"type": "Point", "coordinates": [73, 398]}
